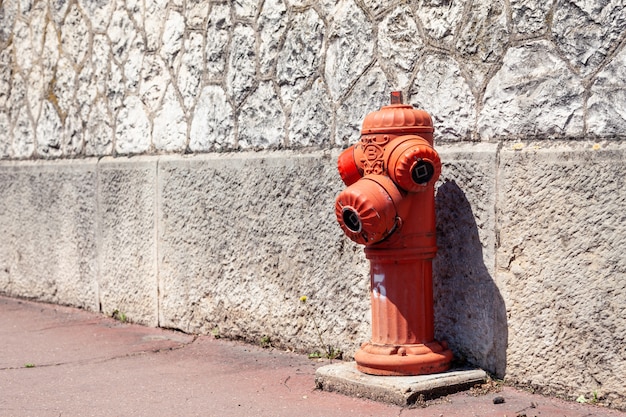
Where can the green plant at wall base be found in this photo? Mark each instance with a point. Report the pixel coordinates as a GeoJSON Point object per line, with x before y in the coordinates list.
{"type": "Point", "coordinates": [593, 398]}
{"type": "Point", "coordinates": [265, 342]}
{"type": "Point", "coordinates": [216, 332]}
{"type": "Point", "coordinates": [118, 315]}
{"type": "Point", "coordinates": [329, 351]}
{"type": "Point", "coordinates": [29, 365]}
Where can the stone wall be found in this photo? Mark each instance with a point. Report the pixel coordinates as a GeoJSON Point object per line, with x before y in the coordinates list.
{"type": "Point", "coordinates": [175, 161]}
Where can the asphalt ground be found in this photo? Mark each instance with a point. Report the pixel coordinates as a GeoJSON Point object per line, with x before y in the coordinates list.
{"type": "Point", "coordinates": [58, 361]}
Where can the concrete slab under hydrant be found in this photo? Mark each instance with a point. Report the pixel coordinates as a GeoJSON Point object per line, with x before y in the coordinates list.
{"type": "Point", "coordinates": [400, 390]}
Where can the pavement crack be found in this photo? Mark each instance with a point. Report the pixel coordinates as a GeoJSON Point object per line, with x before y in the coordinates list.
{"type": "Point", "coordinates": [285, 382]}
{"type": "Point", "coordinates": [99, 360]}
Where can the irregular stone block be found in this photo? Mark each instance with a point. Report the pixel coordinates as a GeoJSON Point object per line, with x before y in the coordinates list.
{"type": "Point", "coordinates": [121, 32]}
{"type": "Point", "coordinates": [48, 229]}
{"type": "Point", "coordinates": [244, 236]}
{"type": "Point", "coordinates": [99, 132]}
{"type": "Point", "coordinates": [86, 92]}
{"type": "Point", "coordinates": [50, 54]}
{"type": "Point", "coordinates": [246, 9]}
{"type": "Point", "coordinates": [127, 246]}
{"type": "Point", "coordinates": [35, 90]}
{"type": "Point", "coordinates": [23, 42]}
{"type": "Point", "coordinates": [8, 11]}
{"type": "Point", "coordinates": [484, 34]}
{"type": "Point", "coordinates": [49, 131]}
{"type": "Point", "coordinates": [154, 21]}
{"type": "Point", "coordinates": [240, 75]}
{"type": "Point", "coordinates": [196, 12]}
{"type": "Point", "coordinates": [212, 126]}
{"type": "Point", "coordinates": [606, 106]}
{"type": "Point", "coordinates": [133, 65]}
{"type": "Point", "coordinates": [190, 72]}
{"type": "Point", "coordinates": [534, 94]}
{"type": "Point", "coordinates": [99, 13]}
{"type": "Point", "coordinates": [530, 17]}
{"type": "Point", "coordinates": [23, 135]}
{"type": "Point", "coordinates": [371, 92]}
{"type": "Point", "coordinates": [399, 44]}
{"type": "Point", "coordinates": [440, 18]}
{"type": "Point", "coordinates": [271, 25]}
{"type": "Point", "coordinates": [172, 39]}
{"type": "Point", "coordinates": [378, 6]}
{"type": "Point", "coordinates": [132, 130]}
{"type": "Point", "coordinates": [75, 36]}
{"type": "Point", "coordinates": [217, 35]}
{"type": "Point", "coordinates": [170, 126]}
{"type": "Point", "coordinates": [5, 135]}
{"type": "Point", "coordinates": [116, 89]}
{"type": "Point", "coordinates": [73, 135]}
{"type": "Point", "coordinates": [350, 47]}
{"type": "Point", "coordinates": [588, 31]}
{"type": "Point", "coordinates": [561, 266]}
{"type": "Point", "coordinates": [261, 119]}
{"type": "Point", "coordinates": [440, 89]}
{"type": "Point", "coordinates": [6, 65]}
{"type": "Point", "coordinates": [58, 10]}
{"type": "Point", "coordinates": [154, 81]}
{"type": "Point", "coordinates": [301, 54]}
{"type": "Point", "coordinates": [311, 118]}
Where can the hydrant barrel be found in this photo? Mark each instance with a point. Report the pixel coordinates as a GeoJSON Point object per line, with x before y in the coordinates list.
{"type": "Point", "coordinates": [389, 207]}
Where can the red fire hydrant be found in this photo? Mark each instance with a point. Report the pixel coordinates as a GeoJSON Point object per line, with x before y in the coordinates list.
{"type": "Point", "coordinates": [389, 206]}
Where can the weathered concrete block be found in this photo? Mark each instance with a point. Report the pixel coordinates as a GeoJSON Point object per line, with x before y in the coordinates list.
{"type": "Point", "coordinates": [561, 267]}
{"type": "Point", "coordinates": [469, 309]}
{"type": "Point", "coordinates": [127, 247]}
{"type": "Point", "coordinates": [244, 236]}
{"type": "Point", "coordinates": [47, 225]}
{"type": "Point", "coordinates": [344, 377]}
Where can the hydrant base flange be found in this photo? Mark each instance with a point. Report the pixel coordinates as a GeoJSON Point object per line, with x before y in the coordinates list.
{"type": "Point", "coordinates": [403, 360]}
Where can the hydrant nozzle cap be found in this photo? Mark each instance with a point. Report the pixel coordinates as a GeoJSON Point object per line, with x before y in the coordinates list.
{"type": "Point", "coordinates": [397, 118]}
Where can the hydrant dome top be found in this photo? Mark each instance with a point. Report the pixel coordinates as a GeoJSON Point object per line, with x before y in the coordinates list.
{"type": "Point", "coordinates": [397, 118]}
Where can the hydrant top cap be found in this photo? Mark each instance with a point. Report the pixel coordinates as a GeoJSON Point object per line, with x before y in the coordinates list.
{"type": "Point", "coordinates": [397, 118]}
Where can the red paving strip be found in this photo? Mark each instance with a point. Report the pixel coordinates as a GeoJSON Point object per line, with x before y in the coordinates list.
{"type": "Point", "coordinates": [85, 364]}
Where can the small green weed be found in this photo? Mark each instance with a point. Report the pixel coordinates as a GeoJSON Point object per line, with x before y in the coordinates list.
{"type": "Point", "coordinates": [329, 351]}
{"type": "Point", "coordinates": [118, 315]}
{"type": "Point", "coordinates": [593, 398]}
{"type": "Point", "coordinates": [265, 342]}
{"type": "Point", "coordinates": [29, 365]}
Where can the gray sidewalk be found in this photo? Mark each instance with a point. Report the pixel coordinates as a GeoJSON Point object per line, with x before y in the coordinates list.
{"type": "Point", "coordinates": [58, 361]}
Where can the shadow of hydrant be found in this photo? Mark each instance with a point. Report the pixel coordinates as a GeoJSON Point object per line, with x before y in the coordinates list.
{"type": "Point", "coordinates": [469, 310]}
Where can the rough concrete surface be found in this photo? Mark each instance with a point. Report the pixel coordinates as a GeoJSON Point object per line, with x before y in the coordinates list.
{"type": "Point", "coordinates": [561, 267]}
{"type": "Point", "coordinates": [63, 361]}
{"type": "Point", "coordinates": [226, 244]}
{"type": "Point", "coordinates": [469, 310]}
{"type": "Point", "coordinates": [127, 251]}
{"type": "Point", "coordinates": [48, 231]}
{"type": "Point", "coordinates": [346, 379]}
{"type": "Point", "coordinates": [243, 237]}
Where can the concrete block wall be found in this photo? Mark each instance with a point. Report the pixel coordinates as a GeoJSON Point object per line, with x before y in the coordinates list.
{"type": "Point", "coordinates": [175, 161]}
